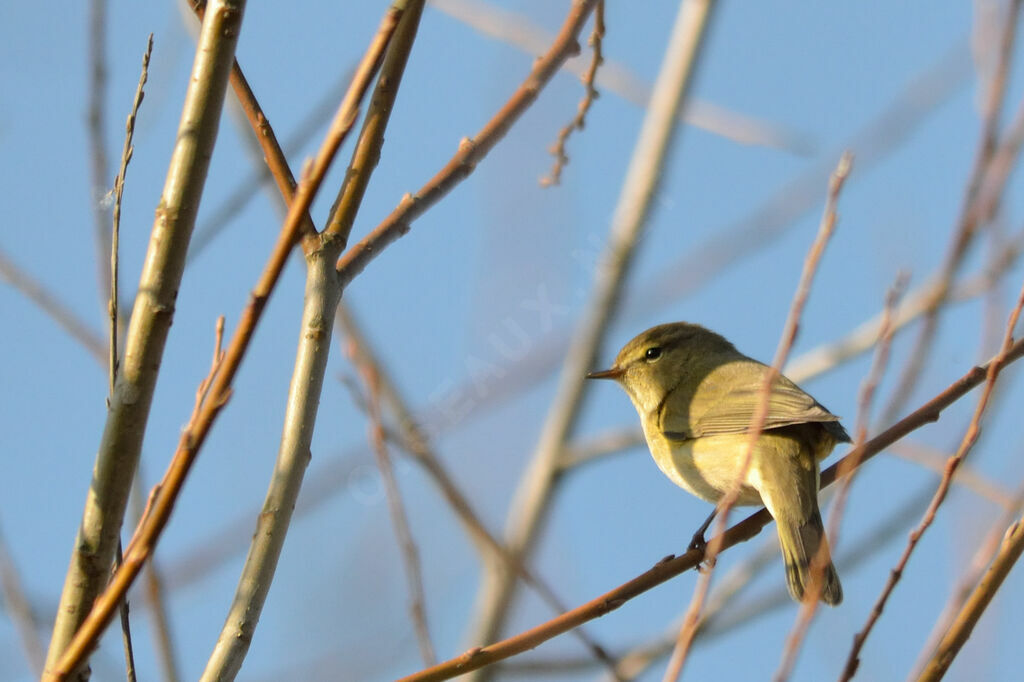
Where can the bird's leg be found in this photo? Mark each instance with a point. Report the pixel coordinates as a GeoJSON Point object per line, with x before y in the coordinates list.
{"type": "Point", "coordinates": [698, 541]}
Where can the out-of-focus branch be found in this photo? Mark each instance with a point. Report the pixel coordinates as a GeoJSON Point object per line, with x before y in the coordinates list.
{"type": "Point", "coordinates": [966, 475]}
{"type": "Point", "coordinates": [671, 566]}
{"type": "Point", "coordinates": [150, 323]}
{"type": "Point", "coordinates": [412, 439]}
{"type": "Point", "coordinates": [995, 366]}
{"type": "Point", "coordinates": [992, 165]}
{"type": "Point", "coordinates": [155, 595]}
{"type": "Point", "coordinates": [512, 28]}
{"type": "Point", "coordinates": [97, 118]}
{"type": "Point", "coordinates": [399, 518]}
{"type": "Point", "coordinates": [874, 142]}
{"type": "Point", "coordinates": [643, 176]}
{"type": "Point", "coordinates": [66, 318]}
{"type": "Point", "coordinates": [975, 605]}
{"type": "Point", "coordinates": [19, 610]}
{"type": "Point", "coordinates": [983, 558]}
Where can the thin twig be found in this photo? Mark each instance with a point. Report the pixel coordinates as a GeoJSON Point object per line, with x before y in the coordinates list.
{"type": "Point", "coordinates": [112, 309]}
{"type": "Point", "coordinates": [276, 161]}
{"type": "Point", "coordinates": [126, 631]}
{"type": "Point", "coordinates": [154, 589]}
{"type": "Point", "coordinates": [412, 440]}
{"type": "Point", "coordinates": [399, 518]}
{"type": "Point", "coordinates": [471, 151]}
{"type": "Point", "coordinates": [966, 475]}
{"type": "Point", "coordinates": [126, 420]}
{"type": "Point", "coordinates": [970, 436]}
{"type": "Point", "coordinates": [65, 317]}
{"type": "Point", "coordinates": [671, 566]}
{"type": "Point", "coordinates": [533, 494]}
{"type": "Point", "coordinates": [590, 94]}
{"type": "Point", "coordinates": [820, 560]}
{"type": "Point", "coordinates": [828, 220]}
{"type": "Point", "coordinates": [126, 156]}
{"type": "Point", "coordinates": [18, 609]}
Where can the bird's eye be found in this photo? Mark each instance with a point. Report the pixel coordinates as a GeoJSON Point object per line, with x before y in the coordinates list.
{"type": "Point", "coordinates": [652, 354]}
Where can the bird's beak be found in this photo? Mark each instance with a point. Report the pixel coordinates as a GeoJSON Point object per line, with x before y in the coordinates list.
{"type": "Point", "coordinates": [613, 373]}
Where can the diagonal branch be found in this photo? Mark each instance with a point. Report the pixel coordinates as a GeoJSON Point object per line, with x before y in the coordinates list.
{"type": "Point", "coordinates": [671, 566]}
{"type": "Point", "coordinates": [119, 449]}
{"type": "Point", "coordinates": [470, 152]}
{"type": "Point", "coordinates": [966, 444]}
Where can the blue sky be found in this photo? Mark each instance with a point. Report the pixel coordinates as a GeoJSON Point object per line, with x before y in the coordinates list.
{"type": "Point", "coordinates": [500, 266]}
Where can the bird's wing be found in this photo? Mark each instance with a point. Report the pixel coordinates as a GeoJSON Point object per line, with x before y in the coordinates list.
{"type": "Point", "coordinates": [725, 400]}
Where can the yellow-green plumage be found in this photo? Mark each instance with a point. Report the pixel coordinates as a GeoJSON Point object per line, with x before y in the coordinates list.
{"type": "Point", "coordinates": [696, 396]}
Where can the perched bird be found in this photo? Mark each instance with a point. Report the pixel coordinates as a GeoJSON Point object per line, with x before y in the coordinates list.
{"type": "Point", "coordinates": [696, 395]}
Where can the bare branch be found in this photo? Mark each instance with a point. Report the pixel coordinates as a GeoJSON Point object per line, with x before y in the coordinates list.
{"type": "Point", "coordinates": [118, 453]}
{"type": "Point", "coordinates": [671, 566]}
{"type": "Point", "coordinates": [590, 94]}
{"type": "Point", "coordinates": [470, 153]}
{"type": "Point", "coordinates": [399, 519]}
{"type": "Point", "coordinates": [970, 437]}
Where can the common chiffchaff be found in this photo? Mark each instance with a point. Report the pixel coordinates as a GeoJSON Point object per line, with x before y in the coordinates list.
{"type": "Point", "coordinates": [696, 395]}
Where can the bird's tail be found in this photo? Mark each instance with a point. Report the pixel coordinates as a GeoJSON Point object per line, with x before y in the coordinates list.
{"type": "Point", "coordinates": [801, 543]}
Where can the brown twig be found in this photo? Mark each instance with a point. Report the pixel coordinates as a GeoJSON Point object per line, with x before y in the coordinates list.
{"type": "Point", "coordinates": [820, 560]}
{"type": "Point", "coordinates": [671, 566]}
{"type": "Point", "coordinates": [590, 94]}
{"type": "Point", "coordinates": [718, 620]}
{"type": "Point", "coordinates": [412, 440]}
{"type": "Point", "coordinates": [471, 151]}
{"type": "Point", "coordinates": [971, 435]}
{"type": "Point", "coordinates": [399, 518]}
{"type": "Point", "coordinates": [113, 306]}
{"type": "Point", "coordinates": [692, 618]}
{"type": "Point", "coordinates": [263, 132]}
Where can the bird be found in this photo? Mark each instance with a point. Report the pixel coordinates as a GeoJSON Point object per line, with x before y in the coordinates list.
{"type": "Point", "coordinates": [696, 395]}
